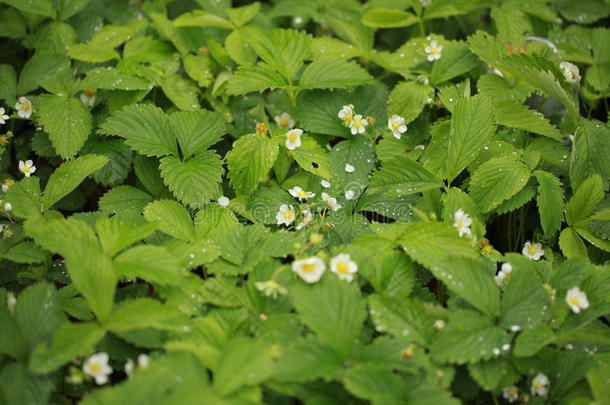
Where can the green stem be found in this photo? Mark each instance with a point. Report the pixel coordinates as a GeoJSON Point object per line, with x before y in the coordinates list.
{"type": "Point", "coordinates": [422, 29]}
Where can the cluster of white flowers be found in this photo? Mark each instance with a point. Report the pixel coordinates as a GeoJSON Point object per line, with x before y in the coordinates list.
{"type": "Point", "coordinates": [570, 72]}
{"type": "Point", "coordinates": [510, 393]}
{"type": "Point", "coordinates": [577, 300]}
{"type": "Point", "coordinates": [504, 272]}
{"type": "Point", "coordinates": [284, 120]}
{"type": "Point", "coordinates": [433, 50]}
{"type": "Point", "coordinates": [143, 363]}
{"type": "Point", "coordinates": [462, 222]}
{"type": "Point", "coordinates": [356, 123]}
{"type": "Point", "coordinates": [312, 268]}
{"type": "Point", "coordinates": [24, 108]}
{"type": "Point", "coordinates": [540, 385]}
{"type": "Point", "coordinates": [397, 125]}
{"type": "Point", "coordinates": [533, 251]}
{"type": "Point", "coordinates": [331, 202]}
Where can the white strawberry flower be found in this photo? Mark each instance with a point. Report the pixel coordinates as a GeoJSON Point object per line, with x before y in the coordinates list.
{"type": "Point", "coordinates": [270, 288]}
{"type": "Point", "coordinates": [97, 367]}
{"type": "Point", "coordinates": [331, 202]}
{"type": "Point", "coordinates": [434, 51]}
{"type": "Point", "coordinates": [533, 251]}
{"type": "Point", "coordinates": [344, 267]}
{"type": "Point", "coordinates": [284, 120]}
{"type": "Point", "coordinates": [510, 393]}
{"type": "Point", "coordinates": [505, 270]}
{"type": "Point", "coordinates": [325, 183]}
{"type": "Point", "coordinates": [570, 72]}
{"type": "Point", "coordinates": [396, 124]}
{"type": "Point", "coordinates": [298, 192]}
{"type": "Point", "coordinates": [577, 299]}
{"type": "Point", "coordinates": [24, 107]}
{"type": "Point", "coordinates": [540, 385]}
{"type": "Point", "coordinates": [285, 215]}
{"type": "Point", "coordinates": [3, 116]}
{"type": "Point", "coordinates": [462, 222]}
{"type": "Point", "coordinates": [307, 217]}
{"type": "Point", "coordinates": [439, 324]}
{"type": "Point", "coordinates": [346, 113]}
{"type": "Point", "coordinates": [7, 184]}
{"type": "Point", "coordinates": [224, 201]}
{"type": "Point", "coordinates": [27, 167]}
{"type": "Point", "coordinates": [8, 207]}
{"type": "Point", "coordinates": [349, 168]}
{"type": "Point", "coordinates": [358, 124]}
{"type": "Point", "coordinates": [87, 97]}
{"type": "Point", "coordinates": [349, 194]}
{"type": "Point", "coordinates": [310, 270]}
{"type": "Point", "coordinates": [419, 147]}
{"type": "Point", "coordinates": [293, 138]}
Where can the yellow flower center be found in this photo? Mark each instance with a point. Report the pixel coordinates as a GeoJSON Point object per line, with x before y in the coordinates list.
{"type": "Point", "coordinates": [532, 250]}
{"type": "Point", "coordinates": [3, 140]}
{"type": "Point", "coordinates": [96, 368]}
{"type": "Point", "coordinates": [302, 193]}
{"type": "Point", "coordinates": [487, 249]}
{"type": "Point", "coordinates": [342, 268]}
{"type": "Point", "coordinates": [25, 107]}
{"type": "Point", "coordinates": [459, 224]}
{"type": "Point", "coordinates": [283, 122]}
{"type": "Point", "coordinates": [9, 182]}
{"type": "Point", "coordinates": [288, 214]}
{"type": "Point", "coordinates": [293, 138]}
{"type": "Point", "coordinates": [537, 385]}
{"type": "Point", "coordinates": [308, 267]}
{"type": "Point", "coordinates": [357, 123]}
{"type": "Point", "coordinates": [347, 117]}
{"type": "Point", "coordinates": [395, 125]}
{"type": "Point", "coordinates": [574, 300]}
{"type": "Point", "coordinates": [26, 169]}
{"type": "Point", "coordinates": [434, 51]}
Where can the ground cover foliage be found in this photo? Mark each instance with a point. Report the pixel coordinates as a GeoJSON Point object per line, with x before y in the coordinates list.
{"type": "Point", "coordinates": [318, 202]}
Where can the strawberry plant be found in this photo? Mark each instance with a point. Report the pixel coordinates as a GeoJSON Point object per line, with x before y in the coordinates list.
{"type": "Point", "coordinates": [318, 202]}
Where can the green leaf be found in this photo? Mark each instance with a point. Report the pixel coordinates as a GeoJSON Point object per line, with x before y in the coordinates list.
{"type": "Point", "coordinates": [25, 197]}
{"type": "Point", "coordinates": [516, 115]}
{"type": "Point", "coordinates": [497, 180]}
{"type": "Point", "coordinates": [145, 129]}
{"type": "Point", "coordinates": [93, 52]}
{"type": "Point", "coordinates": [195, 181]}
{"type": "Point", "coordinates": [530, 342]}
{"type": "Point", "coordinates": [42, 7]}
{"type": "Point", "coordinates": [39, 66]}
{"type": "Point", "coordinates": [241, 15]}
{"type": "Point", "coordinates": [401, 176]}
{"type": "Point", "coordinates": [308, 360]}
{"type": "Point", "coordinates": [69, 341]}
{"type": "Point", "coordinates": [434, 243]}
{"type": "Point", "coordinates": [498, 88]}
{"type": "Point", "coordinates": [183, 92]}
{"type": "Point", "coordinates": [357, 152]}
{"type": "Point", "coordinates": [376, 383]}
{"type": "Point", "coordinates": [66, 120]}
{"type": "Point", "coordinates": [115, 235]}
{"type": "Point", "coordinates": [525, 302]}
{"type": "Point", "coordinates": [571, 244]}
{"type": "Point", "coordinates": [408, 99]}
{"type": "Point", "coordinates": [249, 162]}
{"type": "Point", "coordinates": [469, 338]}
{"type": "Point", "coordinates": [589, 157]}
{"type": "Point", "coordinates": [69, 175]}
{"type": "Point", "coordinates": [199, 68]}
{"type": "Point", "coordinates": [312, 157]}
{"type": "Point", "coordinates": [144, 313]}
{"type": "Point", "coordinates": [471, 127]}
{"type": "Point", "coordinates": [584, 201]}
{"type": "Point", "coordinates": [255, 78]}
{"type": "Point", "coordinates": [112, 79]}
{"type": "Point", "coordinates": [489, 374]}
{"type": "Point", "coordinates": [550, 202]}
{"type": "Point", "coordinates": [243, 362]}
{"type": "Point", "coordinates": [329, 72]}
{"type": "Point", "coordinates": [19, 385]}
{"type": "Point", "coordinates": [172, 218]}
{"type": "Point", "coordinates": [333, 309]}
{"type": "Point", "coordinates": [68, 8]}
{"type": "Point", "coordinates": [598, 382]}
{"type": "Point", "coordinates": [197, 130]}
{"type": "Point", "coordinates": [200, 18]}
{"type": "Point", "coordinates": [38, 313]}
{"type": "Point", "coordinates": [8, 83]}
{"type": "Point", "coordinates": [25, 252]}
{"type": "Point", "coordinates": [119, 159]}
{"type": "Point", "coordinates": [401, 318]}
{"type": "Point", "coordinates": [456, 61]}
{"type": "Point", "coordinates": [388, 18]}
{"type": "Point", "coordinates": [155, 264]}
{"type": "Point", "coordinates": [125, 202]}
